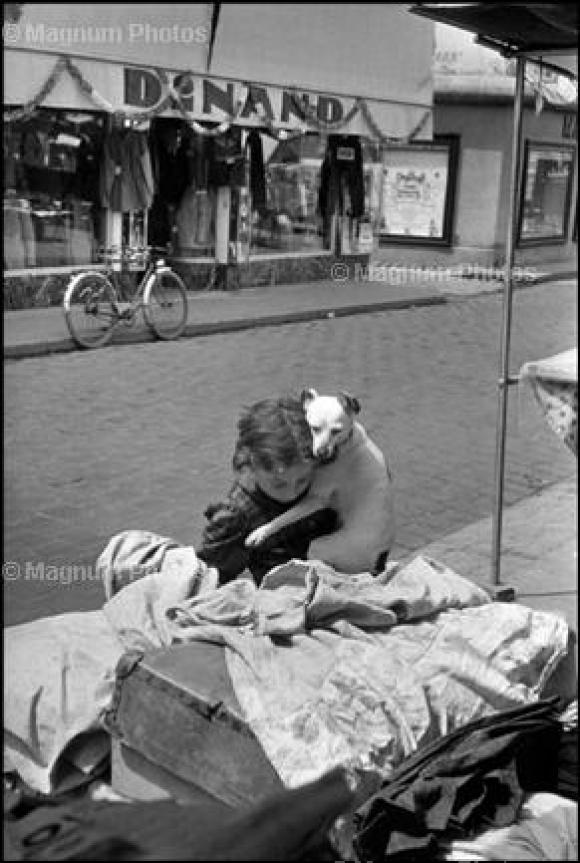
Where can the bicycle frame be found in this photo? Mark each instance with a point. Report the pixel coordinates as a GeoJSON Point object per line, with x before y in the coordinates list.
{"type": "Point", "coordinates": [127, 311]}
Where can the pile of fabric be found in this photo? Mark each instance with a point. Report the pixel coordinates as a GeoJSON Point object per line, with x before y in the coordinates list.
{"type": "Point", "coordinates": [428, 698]}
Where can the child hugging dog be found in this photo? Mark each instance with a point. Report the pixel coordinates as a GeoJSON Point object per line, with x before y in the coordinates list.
{"type": "Point", "coordinates": [309, 484]}
{"type": "Point", "coordinates": [352, 478]}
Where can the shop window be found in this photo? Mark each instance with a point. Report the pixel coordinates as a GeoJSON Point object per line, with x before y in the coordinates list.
{"type": "Point", "coordinates": [288, 220]}
{"type": "Point", "coordinates": [188, 167]}
{"type": "Point", "coordinates": [418, 191]}
{"type": "Point", "coordinates": [51, 170]}
{"type": "Point", "coordinates": [546, 193]}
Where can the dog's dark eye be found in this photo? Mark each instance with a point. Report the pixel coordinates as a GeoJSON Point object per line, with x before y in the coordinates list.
{"type": "Point", "coordinates": [335, 431]}
{"type": "Point", "coordinates": [315, 429]}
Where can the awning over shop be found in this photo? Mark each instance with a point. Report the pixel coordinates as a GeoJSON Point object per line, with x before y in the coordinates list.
{"type": "Point", "coordinates": [375, 51]}
{"type": "Point", "coordinates": [354, 68]}
{"type": "Point", "coordinates": [543, 32]}
{"type": "Point", "coordinates": [463, 66]}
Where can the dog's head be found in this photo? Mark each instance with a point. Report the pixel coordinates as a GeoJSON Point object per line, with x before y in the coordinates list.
{"type": "Point", "coordinates": [331, 420]}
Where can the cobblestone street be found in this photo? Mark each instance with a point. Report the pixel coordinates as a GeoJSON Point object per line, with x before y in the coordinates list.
{"type": "Point", "coordinates": [142, 436]}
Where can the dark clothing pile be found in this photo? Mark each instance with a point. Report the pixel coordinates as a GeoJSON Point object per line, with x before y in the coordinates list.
{"type": "Point", "coordinates": [474, 777]}
{"type": "Point", "coordinates": [287, 825]}
{"type": "Point", "coordinates": [230, 522]}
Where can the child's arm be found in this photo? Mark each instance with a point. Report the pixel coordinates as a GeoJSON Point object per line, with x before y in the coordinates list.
{"type": "Point", "coordinates": [306, 507]}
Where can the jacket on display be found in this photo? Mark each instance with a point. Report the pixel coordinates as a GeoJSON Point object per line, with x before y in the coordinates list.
{"type": "Point", "coordinates": [126, 176]}
{"type": "Point", "coordinates": [171, 174]}
{"type": "Point", "coordinates": [341, 178]}
{"type": "Point", "coordinates": [475, 776]}
{"type": "Point", "coordinates": [89, 159]}
{"type": "Point", "coordinates": [257, 173]}
{"type": "Point", "coordinates": [227, 166]}
{"type": "Point", "coordinates": [170, 164]}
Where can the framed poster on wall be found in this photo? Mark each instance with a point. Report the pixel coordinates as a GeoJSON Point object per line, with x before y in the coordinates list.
{"type": "Point", "coordinates": [546, 192]}
{"type": "Point", "coordinates": [418, 192]}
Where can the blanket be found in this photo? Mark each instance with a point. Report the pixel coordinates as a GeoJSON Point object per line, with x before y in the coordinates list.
{"type": "Point", "coordinates": [356, 670]}
{"type": "Point", "coordinates": [329, 669]}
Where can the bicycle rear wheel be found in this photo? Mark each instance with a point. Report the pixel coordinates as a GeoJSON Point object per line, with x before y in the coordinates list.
{"type": "Point", "coordinates": [165, 305]}
{"type": "Point", "coordinates": [90, 309]}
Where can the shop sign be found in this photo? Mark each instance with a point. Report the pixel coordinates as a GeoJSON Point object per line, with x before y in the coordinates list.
{"type": "Point", "coordinates": [217, 100]}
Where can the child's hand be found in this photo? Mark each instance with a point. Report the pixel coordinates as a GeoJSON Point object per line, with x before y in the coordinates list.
{"type": "Point", "coordinates": [257, 536]}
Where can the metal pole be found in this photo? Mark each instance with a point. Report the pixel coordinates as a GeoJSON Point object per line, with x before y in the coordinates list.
{"type": "Point", "coordinates": [504, 378]}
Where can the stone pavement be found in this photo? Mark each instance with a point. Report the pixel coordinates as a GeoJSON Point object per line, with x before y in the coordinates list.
{"type": "Point", "coordinates": [539, 551]}
{"type": "Point", "coordinates": [38, 331]}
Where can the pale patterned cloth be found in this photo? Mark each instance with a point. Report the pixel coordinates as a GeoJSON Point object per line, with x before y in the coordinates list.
{"type": "Point", "coordinates": [367, 698]}
{"type": "Point", "coordinates": [546, 829]}
{"type": "Point", "coordinates": [333, 669]}
{"type": "Point", "coordinates": [554, 382]}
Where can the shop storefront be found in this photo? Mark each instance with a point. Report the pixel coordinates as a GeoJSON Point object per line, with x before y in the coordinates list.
{"type": "Point", "coordinates": [446, 201]}
{"type": "Point", "coordinates": [232, 175]}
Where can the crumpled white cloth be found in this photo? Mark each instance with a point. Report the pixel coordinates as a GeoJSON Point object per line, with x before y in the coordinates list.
{"type": "Point", "coordinates": [59, 671]}
{"type": "Point", "coordinates": [329, 668]}
{"type": "Point", "coordinates": [366, 700]}
{"type": "Point", "coordinates": [546, 829]}
{"type": "Point", "coordinates": [333, 669]}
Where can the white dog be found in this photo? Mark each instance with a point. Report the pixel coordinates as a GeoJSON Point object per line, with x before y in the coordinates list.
{"type": "Point", "coordinates": [353, 478]}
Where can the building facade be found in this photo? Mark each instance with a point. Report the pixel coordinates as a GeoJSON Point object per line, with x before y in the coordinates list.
{"type": "Point", "coordinates": [244, 139]}
{"type": "Point", "coordinates": [473, 116]}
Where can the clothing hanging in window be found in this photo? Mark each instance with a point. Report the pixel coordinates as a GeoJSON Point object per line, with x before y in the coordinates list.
{"type": "Point", "coordinates": [126, 176]}
{"type": "Point", "coordinates": [257, 174]}
{"type": "Point", "coordinates": [341, 178]}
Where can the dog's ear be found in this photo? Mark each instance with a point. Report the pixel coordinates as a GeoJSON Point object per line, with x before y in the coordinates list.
{"type": "Point", "coordinates": [349, 403]}
{"type": "Point", "coordinates": [307, 396]}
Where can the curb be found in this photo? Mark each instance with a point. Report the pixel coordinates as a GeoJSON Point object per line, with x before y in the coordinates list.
{"type": "Point", "coordinates": [211, 328]}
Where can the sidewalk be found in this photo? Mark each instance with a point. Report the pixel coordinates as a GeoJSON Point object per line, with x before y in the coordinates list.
{"type": "Point", "coordinates": [39, 331]}
{"type": "Point", "coordinates": [538, 554]}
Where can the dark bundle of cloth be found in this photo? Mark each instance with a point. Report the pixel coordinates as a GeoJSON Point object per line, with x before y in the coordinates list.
{"type": "Point", "coordinates": [475, 777]}
{"type": "Point", "coordinates": [288, 825]}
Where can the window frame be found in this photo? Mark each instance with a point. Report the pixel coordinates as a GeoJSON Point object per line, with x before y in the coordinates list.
{"type": "Point", "coordinates": [450, 143]}
{"type": "Point", "coordinates": [529, 242]}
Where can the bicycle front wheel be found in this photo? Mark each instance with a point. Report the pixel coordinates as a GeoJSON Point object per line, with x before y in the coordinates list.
{"type": "Point", "coordinates": [165, 305]}
{"type": "Point", "coordinates": [90, 309]}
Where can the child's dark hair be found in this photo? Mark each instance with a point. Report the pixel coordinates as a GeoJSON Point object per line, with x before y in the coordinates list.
{"type": "Point", "coordinates": [273, 433]}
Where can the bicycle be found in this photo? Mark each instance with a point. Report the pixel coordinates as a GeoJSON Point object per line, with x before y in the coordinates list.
{"type": "Point", "coordinates": [94, 306]}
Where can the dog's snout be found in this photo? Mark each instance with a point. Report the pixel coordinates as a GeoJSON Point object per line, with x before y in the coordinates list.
{"type": "Point", "coordinates": [324, 451]}
{"type": "Point", "coordinates": [320, 447]}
